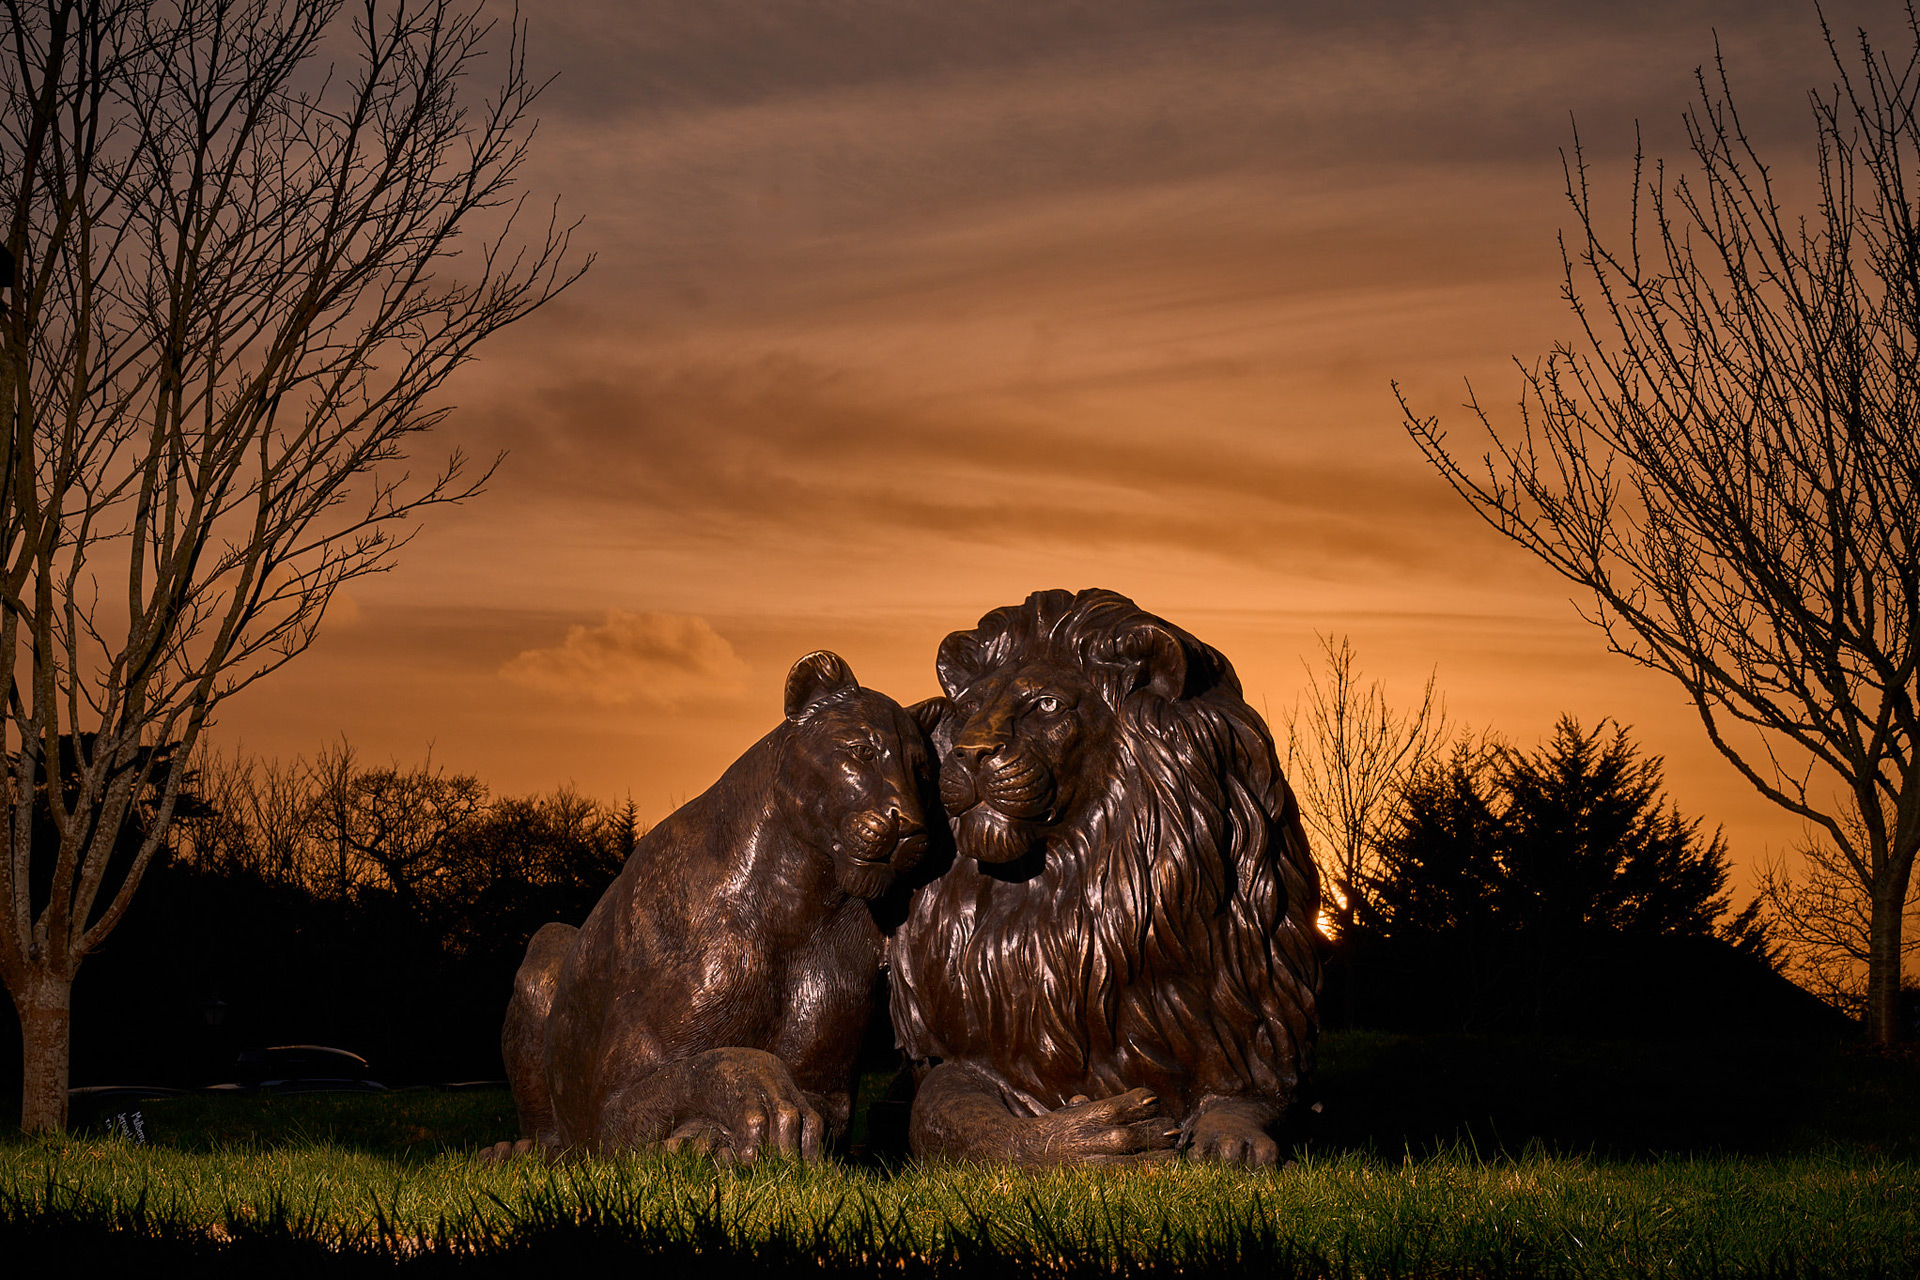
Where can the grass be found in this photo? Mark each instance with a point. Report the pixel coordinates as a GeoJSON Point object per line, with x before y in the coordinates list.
{"type": "Point", "coordinates": [332, 1183]}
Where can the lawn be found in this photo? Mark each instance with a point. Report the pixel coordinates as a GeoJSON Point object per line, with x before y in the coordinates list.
{"type": "Point", "coordinates": [1432, 1157]}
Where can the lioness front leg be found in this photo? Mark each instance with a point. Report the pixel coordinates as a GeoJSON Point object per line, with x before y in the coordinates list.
{"type": "Point", "coordinates": [735, 1104]}
{"type": "Point", "coordinates": [958, 1114]}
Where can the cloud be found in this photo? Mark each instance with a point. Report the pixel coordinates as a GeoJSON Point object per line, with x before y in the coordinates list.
{"type": "Point", "coordinates": [663, 659]}
{"type": "Point", "coordinates": [772, 450]}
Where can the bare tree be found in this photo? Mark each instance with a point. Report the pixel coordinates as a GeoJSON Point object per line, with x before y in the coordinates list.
{"type": "Point", "coordinates": [1730, 464]}
{"type": "Point", "coordinates": [389, 824]}
{"type": "Point", "coordinates": [253, 817]}
{"type": "Point", "coordinates": [1351, 756]}
{"type": "Point", "coordinates": [1822, 926]}
{"type": "Point", "coordinates": [236, 283]}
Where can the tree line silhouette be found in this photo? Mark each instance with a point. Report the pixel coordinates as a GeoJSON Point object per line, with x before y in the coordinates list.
{"type": "Point", "coordinates": [381, 909]}
{"type": "Point", "coordinates": [384, 909]}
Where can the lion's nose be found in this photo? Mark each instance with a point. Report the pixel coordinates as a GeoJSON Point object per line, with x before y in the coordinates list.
{"type": "Point", "coordinates": [974, 754]}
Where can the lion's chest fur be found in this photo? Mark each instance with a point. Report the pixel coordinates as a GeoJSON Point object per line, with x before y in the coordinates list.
{"type": "Point", "coordinates": [1050, 983]}
{"type": "Point", "coordinates": [1139, 955]}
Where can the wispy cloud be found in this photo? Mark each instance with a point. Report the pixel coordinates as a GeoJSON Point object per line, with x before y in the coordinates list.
{"type": "Point", "coordinates": [663, 659]}
{"type": "Point", "coordinates": [770, 449]}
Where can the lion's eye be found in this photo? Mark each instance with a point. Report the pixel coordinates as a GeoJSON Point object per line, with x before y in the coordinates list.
{"type": "Point", "coordinates": [864, 752]}
{"type": "Point", "coordinates": [1047, 704]}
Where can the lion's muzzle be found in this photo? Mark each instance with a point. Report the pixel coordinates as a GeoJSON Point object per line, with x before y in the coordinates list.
{"type": "Point", "coordinates": [1013, 781]}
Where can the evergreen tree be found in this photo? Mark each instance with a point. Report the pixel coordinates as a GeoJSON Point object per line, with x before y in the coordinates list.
{"type": "Point", "coordinates": [1511, 872]}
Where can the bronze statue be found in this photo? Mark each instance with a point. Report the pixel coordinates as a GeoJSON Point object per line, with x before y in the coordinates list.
{"type": "Point", "coordinates": [716, 996]}
{"type": "Point", "coordinates": [1120, 963]}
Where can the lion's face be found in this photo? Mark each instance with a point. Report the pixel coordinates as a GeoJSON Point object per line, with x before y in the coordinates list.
{"type": "Point", "coordinates": [864, 768]}
{"type": "Point", "coordinates": [1029, 746]}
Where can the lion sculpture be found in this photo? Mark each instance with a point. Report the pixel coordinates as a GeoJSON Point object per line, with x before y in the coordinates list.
{"type": "Point", "coordinates": [1120, 964]}
{"type": "Point", "coordinates": [716, 996]}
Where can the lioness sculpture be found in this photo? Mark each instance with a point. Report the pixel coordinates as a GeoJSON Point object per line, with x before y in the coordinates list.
{"type": "Point", "coordinates": [717, 994]}
{"type": "Point", "coordinates": [1129, 916]}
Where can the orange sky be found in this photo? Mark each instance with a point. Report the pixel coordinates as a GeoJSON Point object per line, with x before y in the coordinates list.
{"type": "Point", "coordinates": [904, 310]}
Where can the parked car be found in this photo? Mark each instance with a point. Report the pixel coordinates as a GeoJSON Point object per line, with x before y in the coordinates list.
{"type": "Point", "coordinates": [301, 1068]}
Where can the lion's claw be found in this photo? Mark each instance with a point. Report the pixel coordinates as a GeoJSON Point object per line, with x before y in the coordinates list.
{"type": "Point", "coordinates": [1121, 1127]}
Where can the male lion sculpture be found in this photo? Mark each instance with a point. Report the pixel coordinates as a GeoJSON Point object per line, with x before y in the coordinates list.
{"type": "Point", "coordinates": [1129, 917]}
{"type": "Point", "coordinates": [716, 996]}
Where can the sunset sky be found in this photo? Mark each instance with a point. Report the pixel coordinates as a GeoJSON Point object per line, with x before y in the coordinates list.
{"type": "Point", "coordinates": [904, 310]}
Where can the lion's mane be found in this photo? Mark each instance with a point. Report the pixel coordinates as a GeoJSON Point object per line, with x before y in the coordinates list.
{"type": "Point", "coordinates": [1167, 938]}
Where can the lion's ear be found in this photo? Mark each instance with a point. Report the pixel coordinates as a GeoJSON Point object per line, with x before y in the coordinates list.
{"type": "Point", "coordinates": [815, 678]}
{"type": "Point", "coordinates": [1159, 657]}
{"type": "Point", "coordinates": [930, 713]}
{"type": "Point", "coordinates": [958, 661]}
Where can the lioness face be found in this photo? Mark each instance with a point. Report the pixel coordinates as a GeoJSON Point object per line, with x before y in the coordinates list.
{"type": "Point", "coordinates": [873, 772]}
{"type": "Point", "coordinates": [1026, 742]}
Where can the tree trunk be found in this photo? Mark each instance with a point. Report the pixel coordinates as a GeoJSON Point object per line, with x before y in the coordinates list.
{"type": "Point", "coordinates": [46, 1014]}
{"type": "Point", "coordinates": [1883, 960]}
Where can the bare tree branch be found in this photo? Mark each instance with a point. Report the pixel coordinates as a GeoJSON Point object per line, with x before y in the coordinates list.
{"type": "Point", "coordinates": [239, 280]}
{"type": "Point", "coordinates": [1350, 755]}
{"type": "Point", "coordinates": [1729, 466]}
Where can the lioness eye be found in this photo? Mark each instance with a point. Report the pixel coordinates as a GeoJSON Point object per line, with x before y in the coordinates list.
{"type": "Point", "coordinates": [864, 752]}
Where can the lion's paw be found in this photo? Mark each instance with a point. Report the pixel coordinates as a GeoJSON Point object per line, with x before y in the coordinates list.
{"type": "Point", "coordinates": [1125, 1128]}
{"type": "Point", "coordinates": [1234, 1133]}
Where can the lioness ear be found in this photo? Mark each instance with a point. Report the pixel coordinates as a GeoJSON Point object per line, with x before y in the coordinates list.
{"type": "Point", "coordinates": [930, 713]}
{"type": "Point", "coordinates": [1160, 657]}
{"type": "Point", "coordinates": [815, 678]}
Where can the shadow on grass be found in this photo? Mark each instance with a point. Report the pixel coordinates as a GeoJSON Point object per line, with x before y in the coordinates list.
{"type": "Point", "coordinates": [1458, 1219]}
{"type": "Point", "coordinates": [1380, 1093]}
{"type": "Point", "coordinates": [410, 1126]}
{"type": "Point", "coordinates": [564, 1235]}
{"type": "Point", "coordinates": [1839, 1205]}
{"type": "Point", "coordinates": [1501, 1095]}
